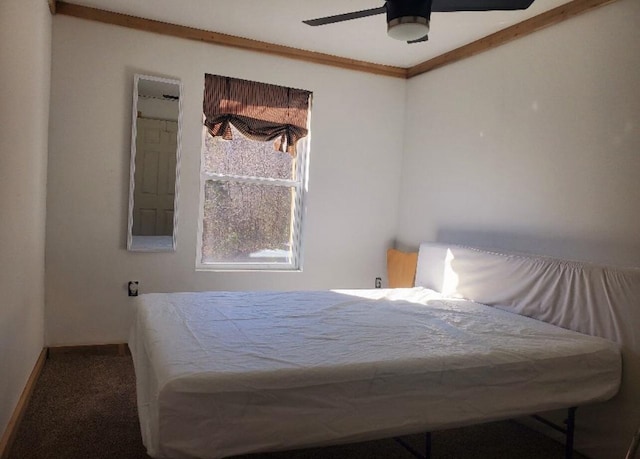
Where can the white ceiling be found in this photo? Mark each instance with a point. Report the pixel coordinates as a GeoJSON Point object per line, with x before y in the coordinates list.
{"type": "Point", "coordinates": [280, 22]}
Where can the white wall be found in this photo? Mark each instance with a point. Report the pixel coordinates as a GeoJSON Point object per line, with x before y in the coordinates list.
{"type": "Point", "coordinates": [535, 147]}
{"type": "Point", "coordinates": [532, 146]}
{"type": "Point", "coordinates": [25, 63]}
{"type": "Point", "coordinates": [353, 187]}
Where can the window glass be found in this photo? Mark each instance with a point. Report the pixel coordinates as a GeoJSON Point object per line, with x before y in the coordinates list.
{"type": "Point", "coordinates": [243, 156]}
{"type": "Point", "coordinates": [252, 200]}
{"type": "Point", "coordinates": [247, 222]}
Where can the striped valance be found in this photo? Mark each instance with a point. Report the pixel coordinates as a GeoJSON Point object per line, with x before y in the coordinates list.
{"type": "Point", "coordinates": [258, 110]}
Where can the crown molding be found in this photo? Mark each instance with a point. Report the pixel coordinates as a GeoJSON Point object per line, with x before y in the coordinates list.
{"type": "Point", "coordinates": [174, 30]}
{"type": "Point", "coordinates": [514, 32]}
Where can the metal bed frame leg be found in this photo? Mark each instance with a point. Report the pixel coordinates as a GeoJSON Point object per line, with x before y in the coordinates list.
{"type": "Point", "coordinates": [570, 431]}
{"type": "Point", "coordinates": [415, 452]}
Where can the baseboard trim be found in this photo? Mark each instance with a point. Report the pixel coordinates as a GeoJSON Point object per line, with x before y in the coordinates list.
{"type": "Point", "coordinates": [14, 422]}
{"type": "Point", "coordinates": [92, 349]}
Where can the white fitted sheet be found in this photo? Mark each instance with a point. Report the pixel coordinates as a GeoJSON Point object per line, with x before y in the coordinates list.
{"type": "Point", "coordinates": [225, 373]}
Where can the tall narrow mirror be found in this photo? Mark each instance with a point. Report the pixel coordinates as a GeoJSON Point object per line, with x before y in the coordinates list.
{"type": "Point", "coordinates": [155, 158]}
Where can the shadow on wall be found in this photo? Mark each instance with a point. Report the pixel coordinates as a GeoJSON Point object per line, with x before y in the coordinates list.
{"type": "Point", "coordinates": [608, 252]}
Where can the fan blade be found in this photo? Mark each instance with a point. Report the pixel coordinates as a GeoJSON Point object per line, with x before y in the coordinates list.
{"type": "Point", "coordinates": [479, 5]}
{"type": "Point", "coordinates": [346, 16]}
{"type": "Point", "coordinates": [419, 40]}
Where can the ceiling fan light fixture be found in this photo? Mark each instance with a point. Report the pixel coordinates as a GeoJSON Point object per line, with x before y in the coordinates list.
{"type": "Point", "coordinates": [407, 28]}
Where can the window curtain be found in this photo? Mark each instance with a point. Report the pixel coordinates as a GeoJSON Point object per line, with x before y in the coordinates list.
{"type": "Point", "coordinates": [259, 111]}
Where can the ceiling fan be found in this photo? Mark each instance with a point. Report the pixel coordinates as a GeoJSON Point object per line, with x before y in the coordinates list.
{"type": "Point", "coordinates": [408, 20]}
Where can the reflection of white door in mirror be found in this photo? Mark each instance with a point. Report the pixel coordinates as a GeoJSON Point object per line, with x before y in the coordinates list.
{"type": "Point", "coordinates": [155, 154]}
{"type": "Point", "coordinates": [155, 180]}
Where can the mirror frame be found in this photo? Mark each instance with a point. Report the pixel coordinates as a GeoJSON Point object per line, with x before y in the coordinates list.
{"type": "Point", "coordinates": [132, 167]}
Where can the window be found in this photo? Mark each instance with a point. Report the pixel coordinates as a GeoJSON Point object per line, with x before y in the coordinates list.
{"type": "Point", "coordinates": [252, 194]}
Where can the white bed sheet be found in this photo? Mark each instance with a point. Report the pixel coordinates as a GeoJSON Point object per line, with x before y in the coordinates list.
{"type": "Point", "coordinates": [226, 373]}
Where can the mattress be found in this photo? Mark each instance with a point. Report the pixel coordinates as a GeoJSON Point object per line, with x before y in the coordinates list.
{"type": "Point", "coordinates": [225, 373]}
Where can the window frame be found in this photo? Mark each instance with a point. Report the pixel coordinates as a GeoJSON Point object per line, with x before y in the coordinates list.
{"type": "Point", "coordinates": [300, 184]}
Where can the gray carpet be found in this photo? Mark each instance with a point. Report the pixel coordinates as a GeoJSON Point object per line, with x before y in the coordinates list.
{"type": "Point", "coordinates": [83, 407]}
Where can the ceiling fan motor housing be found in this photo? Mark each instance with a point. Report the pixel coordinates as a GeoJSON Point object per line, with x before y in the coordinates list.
{"type": "Point", "coordinates": [408, 19]}
{"type": "Point", "coordinates": [397, 9]}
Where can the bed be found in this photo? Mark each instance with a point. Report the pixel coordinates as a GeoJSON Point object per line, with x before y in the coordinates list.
{"type": "Point", "coordinates": [225, 373]}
